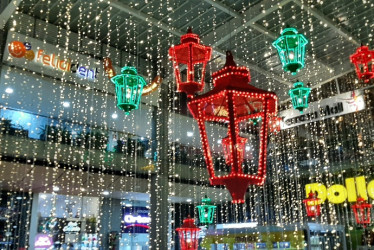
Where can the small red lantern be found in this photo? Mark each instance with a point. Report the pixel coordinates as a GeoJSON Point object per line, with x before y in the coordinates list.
{"type": "Point", "coordinates": [361, 210]}
{"type": "Point", "coordinates": [363, 60]}
{"type": "Point", "coordinates": [193, 55]}
{"type": "Point", "coordinates": [188, 234]}
{"type": "Point", "coordinates": [312, 205]}
{"type": "Point", "coordinates": [234, 102]}
{"type": "Point", "coordinates": [275, 124]}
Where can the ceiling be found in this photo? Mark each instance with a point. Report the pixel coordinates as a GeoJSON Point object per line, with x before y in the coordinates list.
{"type": "Point", "coordinates": [147, 28]}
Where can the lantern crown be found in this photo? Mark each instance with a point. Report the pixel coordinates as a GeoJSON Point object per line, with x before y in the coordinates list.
{"type": "Point", "coordinates": [291, 49]}
{"type": "Point", "coordinates": [206, 201]}
{"type": "Point", "coordinates": [188, 224]}
{"type": "Point", "coordinates": [129, 70]}
{"type": "Point", "coordinates": [190, 37]}
{"type": "Point", "coordinates": [230, 74]}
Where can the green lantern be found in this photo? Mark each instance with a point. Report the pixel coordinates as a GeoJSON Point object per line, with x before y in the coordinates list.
{"type": "Point", "coordinates": [299, 96]}
{"type": "Point", "coordinates": [291, 50]}
{"type": "Point", "coordinates": [206, 211]}
{"type": "Point", "coordinates": [129, 88]}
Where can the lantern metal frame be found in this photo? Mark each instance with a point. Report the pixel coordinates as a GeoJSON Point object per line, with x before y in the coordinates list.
{"type": "Point", "coordinates": [188, 234]}
{"type": "Point", "coordinates": [362, 211]}
{"type": "Point", "coordinates": [291, 50]}
{"type": "Point", "coordinates": [299, 96]}
{"type": "Point", "coordinates": [129, 88]}
{"type": "Point", "coordinates": [231, 101]}
{"type": "Point", "coordinates": [190, 53]}
{"type": "Point", "coordinates": [312, 205]}
{"type": "Point", "coordinates": [363, 60]}
{"type": "Point", "coordinates": [206, 211]}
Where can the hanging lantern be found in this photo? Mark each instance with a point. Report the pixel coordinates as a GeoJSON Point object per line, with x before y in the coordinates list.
{"type": "Point", "coordinates": [361, 210]}
{"type": "Point", "coordinates": [129, 88]}
{"type": "Point", "coordinates": [234, 102]}
{"type": "Point", "coordinates": [275, 124]}
{"type": "Point", "coordinates": [363, 60]}
{"type": "Point", "coordinates": [299, 96]}
{"type": "Point", "coordinates": [291, 50]}
{"type": "Point", "coordinates": [312, 205]}
{"type": "Point", "coordinates": [206, 211]}
{"type": "Point", "coordinates": [188, 235]}
{"type": "Point", "coordinates": [193, 55]}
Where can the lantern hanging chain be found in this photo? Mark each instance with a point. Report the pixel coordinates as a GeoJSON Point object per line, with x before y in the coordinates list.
{"type": "Point", "coordinates": [230, 31]}
{"type": "Point", "coordinates": [137, 47]}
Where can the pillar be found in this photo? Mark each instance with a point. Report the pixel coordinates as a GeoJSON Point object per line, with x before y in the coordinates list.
{"type": "Point", "coordinates": [159, 238]}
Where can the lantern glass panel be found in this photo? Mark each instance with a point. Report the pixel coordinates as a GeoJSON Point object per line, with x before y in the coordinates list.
{"type": "Point", "coordinates": [362, 212]}
{"type": "Point", "coordinates": [247, 142]}
{"type": "Point", "coordinates": [206, 213]}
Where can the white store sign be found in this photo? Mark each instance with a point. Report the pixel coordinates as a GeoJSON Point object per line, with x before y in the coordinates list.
{"type": "Point", "coordinates": [341, 104]}
{"type": "Point", "coordinates": [54, 61]}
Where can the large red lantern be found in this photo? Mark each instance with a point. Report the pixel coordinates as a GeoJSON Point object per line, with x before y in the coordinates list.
{"type": "Point", "coordinates": [233, 102]}
{"type": "Point", "coordinates": [363, 60]}
{"type": "Point", "coordinates": [194, 56]}
{"type": "Point", "coordinates": [188, 234]}
{"type": "Point", "coordinates": [361, 210]}
{"type": "Point", "coordinates": [312, 205]}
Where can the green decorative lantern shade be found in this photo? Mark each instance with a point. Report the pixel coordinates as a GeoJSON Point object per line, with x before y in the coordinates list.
{"type": "Point", "coordinates": [129, 88]}
{"type": "Point", "coordinates": [206, 211]}
{"type": "Point", "coordinates": [299, 96]}
{"type": "Point", "coordinates": [291, 50]}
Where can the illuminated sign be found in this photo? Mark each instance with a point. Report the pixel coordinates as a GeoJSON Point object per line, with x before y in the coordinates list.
{"type": "Point", "coordinates": [337, 193]}
{"type": "Point", "coordinates": [333, 106]}
{"type": "Point", "coordinates": [136, 219]}
{"type": "Point", "coordinates": [18, 49]}
{"type": "Point", "coordinates": [237, 225]}
{"type": "Point", "coordinates": [43, 241]}
{"type": "Point", "coordinates": [72, 227]}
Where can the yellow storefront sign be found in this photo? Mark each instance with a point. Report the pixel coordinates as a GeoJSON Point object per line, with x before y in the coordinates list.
{"type": "Point", "coordinates": [354, 187]}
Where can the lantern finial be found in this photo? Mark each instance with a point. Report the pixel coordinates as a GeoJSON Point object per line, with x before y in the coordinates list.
{"type": "Point", "coordinates": [229, 59]}
{"type": "Point", "coordinates": [189, 30]}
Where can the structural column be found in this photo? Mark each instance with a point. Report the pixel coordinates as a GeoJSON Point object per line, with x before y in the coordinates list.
{"type": "Point", "coordinates": [159, 238]}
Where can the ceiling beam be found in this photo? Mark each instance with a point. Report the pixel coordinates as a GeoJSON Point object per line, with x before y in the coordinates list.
{"type": "Point", "coordinates": [322, 17]}
{"type": "Point", "coordinates": [7, 12]}
{"type": "Point", "coordinates": [253, 25]}
{"type": "Point", "coordinates": [146, 18]}
{"type": "Point", "coordinates": [241, 21]}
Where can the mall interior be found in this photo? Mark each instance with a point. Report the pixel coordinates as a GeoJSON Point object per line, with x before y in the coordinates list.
{"type": "Point", "coordinates": [186, 124]}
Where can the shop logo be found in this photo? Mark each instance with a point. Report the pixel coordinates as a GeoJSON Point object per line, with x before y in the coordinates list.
{"type": "Point", "coordinates": [137, 219]}
{"type": "Point", "coordinates": [72, 227]}
{"type": "Point", "coordinates": [43, 241]}
{"type": "Point", "coordinates": [354, 187]}
{"type": "Point", "coordinates": [24, 50]}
